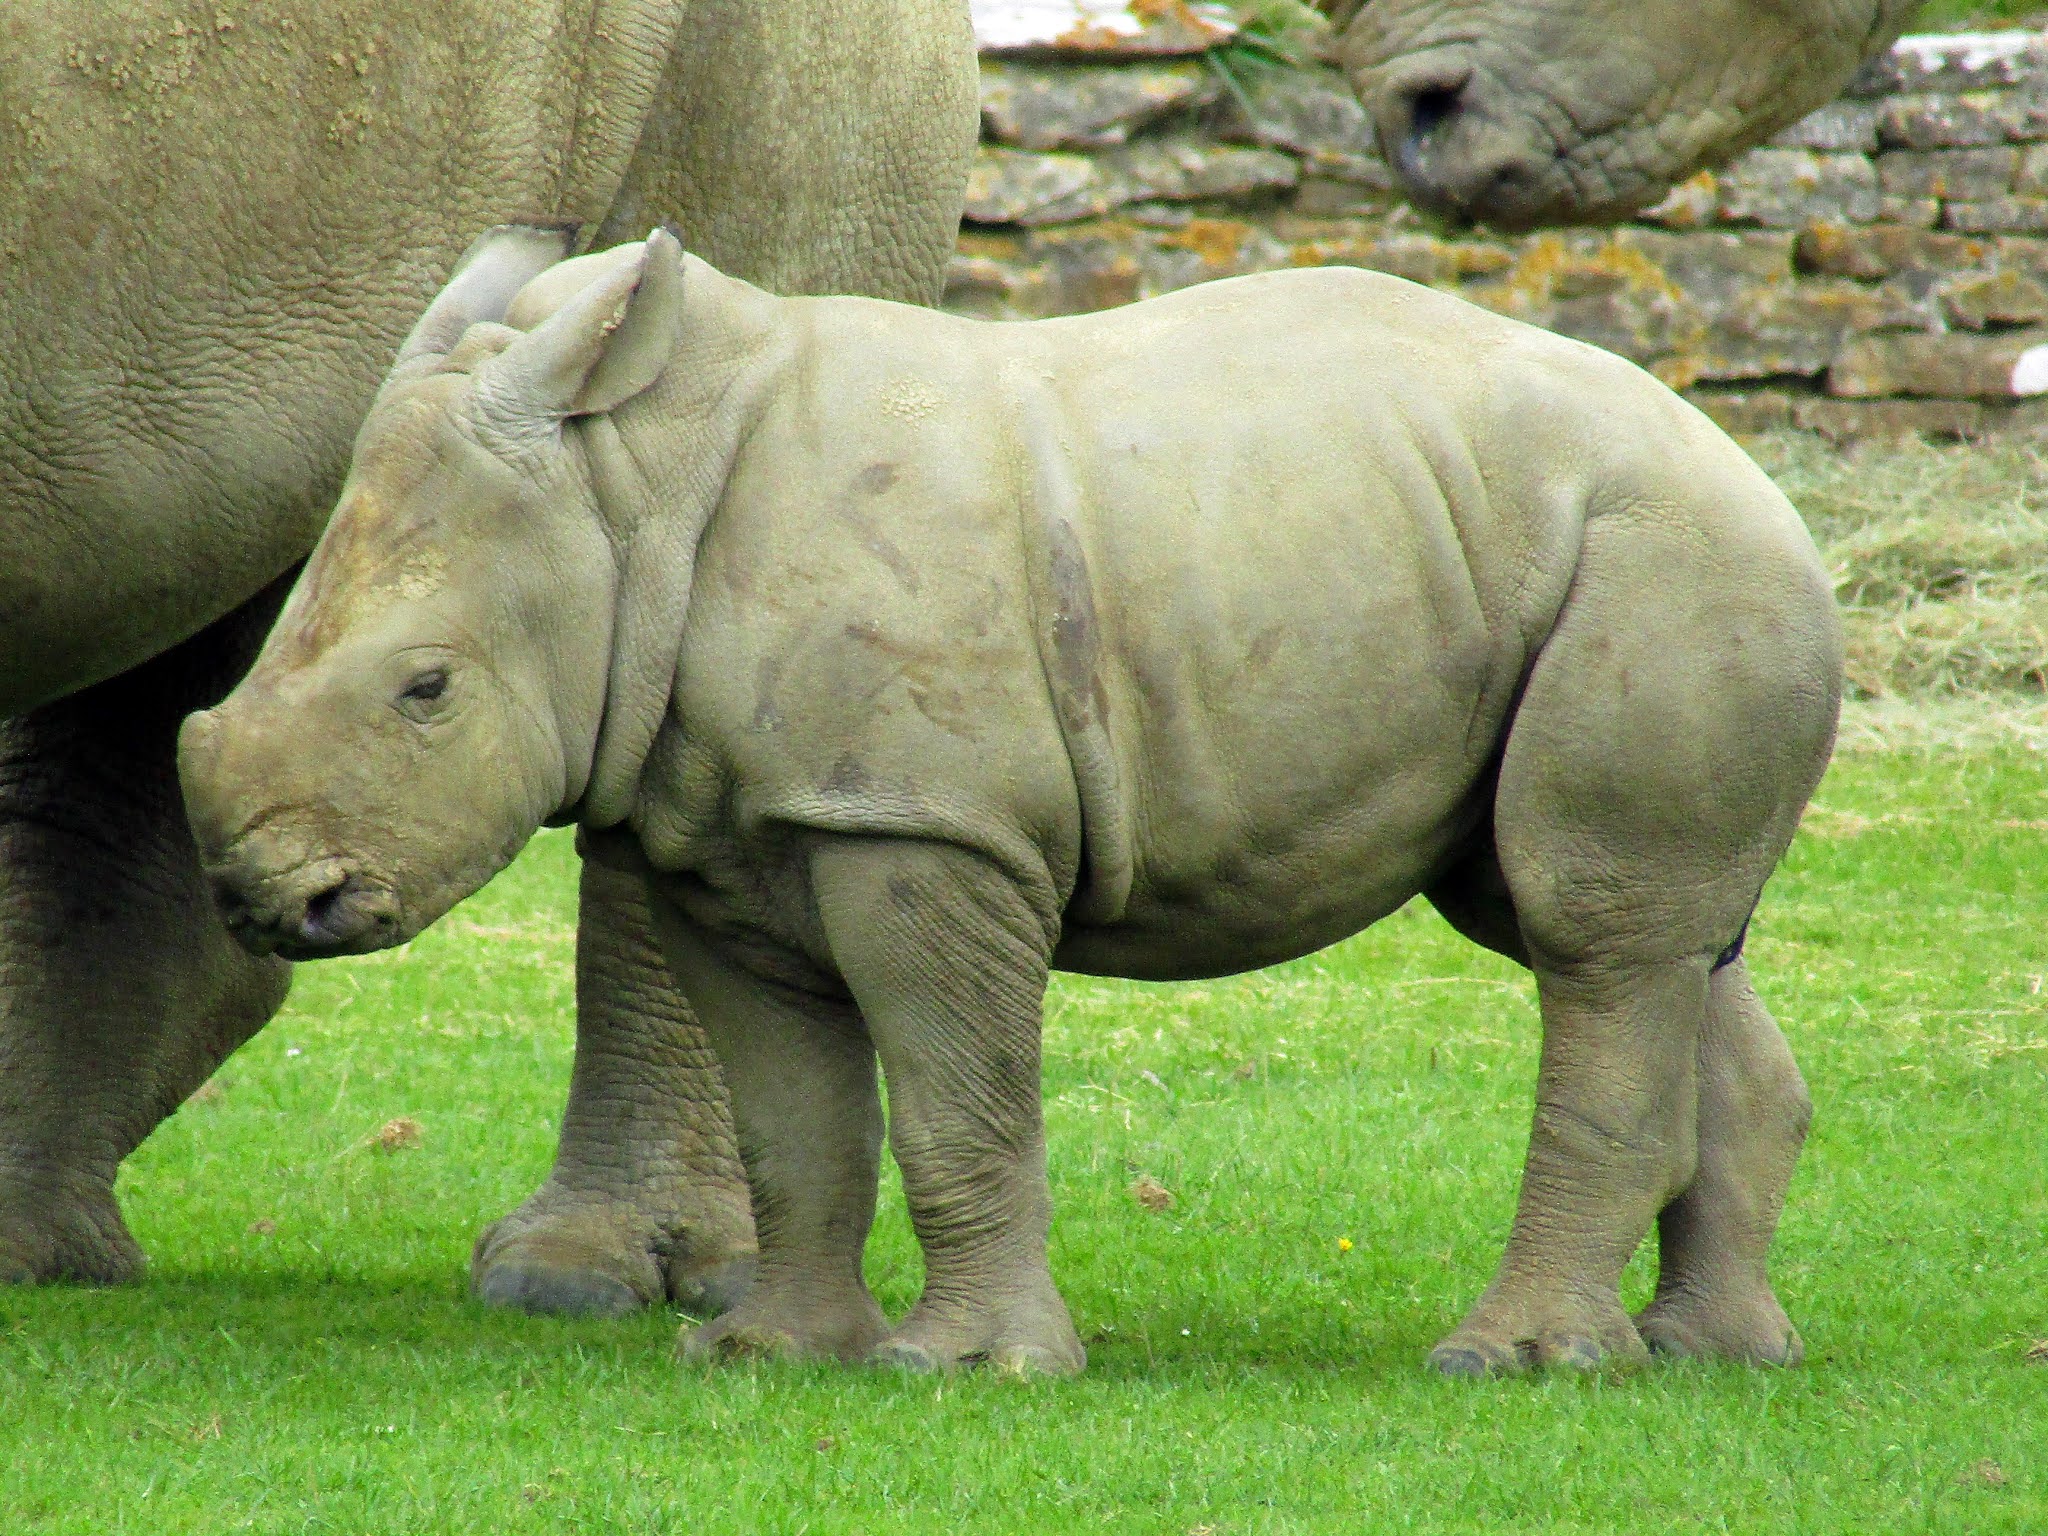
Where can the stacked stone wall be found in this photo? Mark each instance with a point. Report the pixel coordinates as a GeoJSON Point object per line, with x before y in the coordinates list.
{"type": "Point", "coordinates": [1880, 267]}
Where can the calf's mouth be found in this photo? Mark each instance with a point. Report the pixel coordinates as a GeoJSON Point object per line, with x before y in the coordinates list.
{"type": "Point", "coordinates": [306, 911]}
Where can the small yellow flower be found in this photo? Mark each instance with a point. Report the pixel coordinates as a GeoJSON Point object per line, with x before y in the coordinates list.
{"type": "Point", "coordinates": [1343, 1245]}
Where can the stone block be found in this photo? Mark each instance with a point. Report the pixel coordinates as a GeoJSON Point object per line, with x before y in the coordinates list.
{"type": "Point", "coordinates": [1967, 174]}
{"type": "Point", "coordinates": [1691, 204]}
{"type": "Point", "coordinates": [1692, 307]}
{"type": "Point", "coordinates": [1780, 330]}
{"type": "Point", "coordinates": [1942, 122]}
{"type": "Point", "coordinates": [1957, 61]}
{"type": "Point", "coordinates": [1083, 269]}
{"type": "Point", "coordinates": [1878, 250]}
{"type": "Point", "coordinates": [982, 286]}
{"type": "Point", "coordinates": [2027, 252]}
{"type": "Point", "coordinates": [1709, 264]}
{"type": "Point", "coordinates": [1326, 197]}
{"type": "Point", "coordinates": [1996, 215]}
{"type": "Point", "coordinates": [1784, 188]}
{"type": "Point", "coordinates": [2007, 296]}
{"type": "Point", "coordinates": [2031, 178]}
{"type": "Point", "coordinates": [1181, 168]}
{"type": "Point", "coordinates": [1202, 250]}
{"type": "Point", "coordinates": [2017, 418]}
{"type": "Point", "coordinates": [1745, 412]}
{"type": "Point", "coordinates": [1914, 212]}
{"type": "Point", "coordinates": [2008, 365]}
{"type": "Point", "coordinates": [1312, 113]}
{"type": "Point", "coordinates": [2023, 114]}
{"type": "Point", "coordinates": [1016, 186]}
{"type": "Point", "coordinates": [1069, 106]}
{"type": "Point", "coordinates": [1841, 127]}
{"type": "Point", "coordinates": [1851, 421]}
{"type": "Point", "coordinates": [1419, 258]}
{"type": "Point", "coordinates": [1100, 29]}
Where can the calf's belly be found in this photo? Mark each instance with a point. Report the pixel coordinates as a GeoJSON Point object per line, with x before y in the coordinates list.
{"type": "Point", "coordinates": [1254, 914]}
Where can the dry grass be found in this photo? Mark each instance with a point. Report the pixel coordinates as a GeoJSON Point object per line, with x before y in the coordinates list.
{"type": "Point", "coordinates": [1940, 560]}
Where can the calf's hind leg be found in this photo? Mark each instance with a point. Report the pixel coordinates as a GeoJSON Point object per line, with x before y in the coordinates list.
{"type": "Point", "coordinates": [1714, 1293]}
{"type": "Point", "coordinates": [1713, 1290]}
{"type": "Point", "coordinates": [1672, 728]}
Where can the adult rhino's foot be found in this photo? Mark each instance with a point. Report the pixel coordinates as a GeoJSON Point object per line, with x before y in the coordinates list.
{"type": "Point", "coordinates": [1509, 1336]}
{"type": "Point", "coordinates": [790, 1323]}
{"type": "Point", "coordinates": [600, 1259]}
{"type": "Point", "coordinates": [1029, 1334]}
{"type": "Point", "coordinates": [1743, 1323]}
{"type": "Point", "coordinates": [49, 1237]}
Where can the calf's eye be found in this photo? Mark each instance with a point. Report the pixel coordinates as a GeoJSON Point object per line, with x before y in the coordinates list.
{"type": "Point", "coordinates": [426, 688]}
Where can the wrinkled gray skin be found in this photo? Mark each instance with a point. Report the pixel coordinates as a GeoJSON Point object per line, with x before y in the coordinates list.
{"type": "Point", "coordinates": [1525, 112]}
{"type": "Point", "coordinates": [213, 241]}
{"type": "Point", "coordinates": [910, 657]}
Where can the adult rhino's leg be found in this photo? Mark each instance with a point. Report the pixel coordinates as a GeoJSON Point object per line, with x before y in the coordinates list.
{"type": "Point", "coordinates": [1652, 777]}
{"type": "Point", "coordinates": [1713, 1287]}
{"type": "Point", "coordinates": [810, 148]}
{"type": "Point", "coordinates": [647, 1199]}
{"type": "Point", "coordinates": [120, 990]}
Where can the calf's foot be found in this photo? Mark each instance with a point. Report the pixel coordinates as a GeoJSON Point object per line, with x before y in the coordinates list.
{"type": "Point", "coordinates": [599, 1259]}
{"type": "Point", "coordinates": [1731, 1323]}
{"type": "Point", "coordinates": [790, 1324]}
{"type": "Point", "coordinates": [1714, 1292]}
{"type": "Point", "coordinates": [1508, 1334]}
{"type": "Point", "coordinates": [1026, 1335]}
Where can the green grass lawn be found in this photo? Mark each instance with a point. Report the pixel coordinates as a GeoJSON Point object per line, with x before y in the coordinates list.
{"type": "Point", "coordinates": [1941, 14]}
{"type": "Point", "coordinates": [304, 1358]}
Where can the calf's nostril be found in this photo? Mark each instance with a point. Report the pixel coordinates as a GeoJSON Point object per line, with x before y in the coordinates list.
{"type": "Point", "coordinates": [348, 911]}
{"type": "Point", "coordinates": [323, 908]}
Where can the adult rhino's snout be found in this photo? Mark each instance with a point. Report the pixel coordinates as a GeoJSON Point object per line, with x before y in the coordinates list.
{"type": "Point", "coordinates": [1459, 150]}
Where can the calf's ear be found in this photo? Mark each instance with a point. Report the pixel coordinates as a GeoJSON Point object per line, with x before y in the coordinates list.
{"type": "Point", "coordinates": [499, 263]}
{"type": "Point", "coordinates": [601, 348]}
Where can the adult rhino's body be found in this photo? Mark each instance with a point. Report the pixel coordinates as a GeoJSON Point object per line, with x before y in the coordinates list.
{"type": "Point", "coordinates": [215, 225]}
{"type": "Point", "coordinates": [910, 656]}
{"type": "Point", "coordinates": [1523, 112]}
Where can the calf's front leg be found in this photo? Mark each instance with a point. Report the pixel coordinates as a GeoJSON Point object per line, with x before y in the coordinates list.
{"type": "Point", "coordinates": [800, 1073]}
{"type": "Point", "coordinates": [948, 963]}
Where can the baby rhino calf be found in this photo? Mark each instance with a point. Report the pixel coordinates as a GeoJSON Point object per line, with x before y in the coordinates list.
{"type": "Point", "coordinates": [909, 657]}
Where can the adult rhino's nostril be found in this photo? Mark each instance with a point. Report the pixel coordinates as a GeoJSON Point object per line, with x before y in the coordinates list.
{"type": "Point", "coordinates": [1416, 106]}
{"type": "Point", "coordinates": [1430, 106]}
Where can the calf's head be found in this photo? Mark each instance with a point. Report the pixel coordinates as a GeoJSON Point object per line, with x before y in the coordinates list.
{"type": "Point", "coordinates": [433, 689]}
